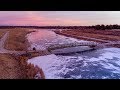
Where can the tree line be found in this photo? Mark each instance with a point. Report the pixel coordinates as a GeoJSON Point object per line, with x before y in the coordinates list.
{"type": "Point", "coordinates": [103, 27]}
{"type": "Point", "coordinates": [45, 27]}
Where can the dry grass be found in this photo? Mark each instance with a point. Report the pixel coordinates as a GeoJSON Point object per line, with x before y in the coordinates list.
{"type": "Point", "coordinates": [103, 32]}
{"type": "Point", "coordinates": [2, 32]}
{"type": "Point", "coordinates": [16, 67]}
{"type": "Point", "coordinates": [17, 40]}
{"type": "Point", "coordinates": [12, 67]}
{"type": "Point", "coordinates": [29, 69]}
{"type": "Point", "coordinates": [9, 67]}
{"type": "Point", "coordinates": [33, 71]}
{"type": "Point", "coordinates": [104, 35]}
{"type": "Point", "coordinates": [108, 35]}
{"type": "Point", "coordinates": [94, 35]}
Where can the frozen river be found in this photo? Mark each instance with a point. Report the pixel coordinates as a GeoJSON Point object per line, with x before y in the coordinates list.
{"type": "Point", "coordinates": [97, 64]}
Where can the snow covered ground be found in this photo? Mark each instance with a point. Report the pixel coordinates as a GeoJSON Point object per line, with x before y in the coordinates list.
{"type": "Point", "coordinates": [99, 64]}
{"type": "Point", "coordinates": [71, 50]}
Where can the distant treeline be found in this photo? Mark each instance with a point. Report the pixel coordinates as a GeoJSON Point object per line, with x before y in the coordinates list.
{"type": "Point", "coordinates": [102, 27]}
{"type": "Point", "coordinates": [45, 27]}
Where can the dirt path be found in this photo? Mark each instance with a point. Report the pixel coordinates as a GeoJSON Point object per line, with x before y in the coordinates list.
{"type": "Point", "coordinates": [2, 41]}
{"type": "Point", "coordinates": [12, 67]}
{"type": "Point", "coordinates": [9, 66]}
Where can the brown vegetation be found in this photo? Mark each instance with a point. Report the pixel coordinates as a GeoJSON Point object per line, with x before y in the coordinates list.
{"type": "Point", "coordinates": [17, 40]}
{"type": "Point", "coordinates": [2, 32]}
{"type": "Point", "coordinates": [16, 67]}
{"type": "Point", "coordinates": [109, 35]}
{"type": "Point", "coordinates": [30, 71]}
{"type": "Point", "coordinates": [106, 35]}
{"type": "Point", "coordinates": [9, 67]}
{"type": "Point", "coordinates": [103, 32]}
{"type": "Point", "coordinates": [31, 54]}
{"type": "Point", "coordinates": [13, 67]}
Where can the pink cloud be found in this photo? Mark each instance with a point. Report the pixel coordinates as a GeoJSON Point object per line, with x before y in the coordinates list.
{"type": "Point", "coordinates": [31, 18]}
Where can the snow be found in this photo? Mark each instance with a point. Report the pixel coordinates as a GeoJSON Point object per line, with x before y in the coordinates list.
{"type": "Point", "coordinates": [54, 66]}
{"type": "Point", "coordinates": [103, 61]}
{"type": "Point", "coordinates": [76, 77]}
{"type": "Point", "coordinates": [105, 58]}
{"type": "Point", "coordinates": [37, 76]}
{"type": "Point", "coordinates": [44, 62]}
{"type": "Point", "coordinates": [43, 38]}
{"type": "Point", "coordinates": [50, 63]}
{"type": "Point", "coordinates": [103, 77]}
{"type": "Point", "coordinates": [71, 49]}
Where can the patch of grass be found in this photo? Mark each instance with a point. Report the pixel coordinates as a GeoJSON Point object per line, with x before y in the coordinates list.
{"type": "Point", "coordinates": [2, 32]}
{"type": "Point", "coordinates": [16, 67]}
{"type": "Point", "coordinates": [106, 35]}
{"type": "Point", "coordinates": [17, 39]}
{"type": "Point", "coordinates": [29, 70]}
{"type": "Point", "coordinates": [93, 35]}
{"type": "Point", "coordinates": [9, 67]}
{"type": "Point", "coordinates": [103, 35]}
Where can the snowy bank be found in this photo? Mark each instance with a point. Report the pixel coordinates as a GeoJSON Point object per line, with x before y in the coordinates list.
{"type": "Point", "coordinates": [45, 62]}
{"type": "Point", "coordinates": [71, 49]}
{"type": "Point", "coordinates": [99, 64]}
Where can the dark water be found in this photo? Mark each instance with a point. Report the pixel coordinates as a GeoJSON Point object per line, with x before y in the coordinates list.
{"type": "Point", "coordinates": [95, 64]}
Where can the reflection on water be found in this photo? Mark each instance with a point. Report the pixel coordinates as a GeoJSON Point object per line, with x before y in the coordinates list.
{"type": "Point", "coordinates": [43, 38]}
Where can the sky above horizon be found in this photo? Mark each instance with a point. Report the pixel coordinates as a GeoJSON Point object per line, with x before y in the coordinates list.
{"type": "Point", "coordinates": [64, 18]}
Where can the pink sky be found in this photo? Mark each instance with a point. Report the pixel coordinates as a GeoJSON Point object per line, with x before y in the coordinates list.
{"type": "Point", "coordinates": [58, 17]}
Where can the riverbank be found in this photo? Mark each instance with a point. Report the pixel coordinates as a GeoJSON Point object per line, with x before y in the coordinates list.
{"type": "Point", "coordinates": [99, 36]}
{"type": "Point", "coordinates": [17, 39]}
{"type": "Point", "coordinates": [16, 66]}
{"type": "Point", "coordinates": [12, 67]}
{"type": "Point", "coordinates": [98, 64]}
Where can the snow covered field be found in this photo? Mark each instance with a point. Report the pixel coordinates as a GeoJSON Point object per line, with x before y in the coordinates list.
{"type": "Point", "coordinates": [99, 64]}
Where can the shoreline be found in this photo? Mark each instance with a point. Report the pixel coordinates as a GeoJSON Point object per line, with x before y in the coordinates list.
{"type": "Point", "coordinates": [26, 71]}
{"type": "Point", "coordinates": [72, 35]}
{"type": "Point", "coordinates": [30, 69]}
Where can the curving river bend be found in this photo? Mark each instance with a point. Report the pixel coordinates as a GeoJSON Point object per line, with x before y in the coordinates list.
{"type": "Point", "coordinates": [97, 64]}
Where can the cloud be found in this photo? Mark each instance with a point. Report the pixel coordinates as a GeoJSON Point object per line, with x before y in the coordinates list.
{"type": "Point", "coordinates": [34, 18]}
{"type": "Point", "coordinates": [58, 17]}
